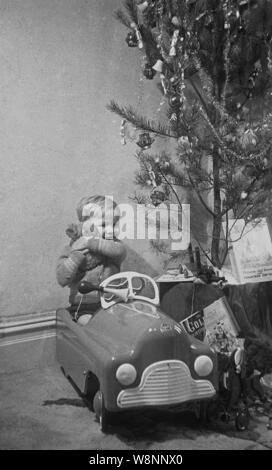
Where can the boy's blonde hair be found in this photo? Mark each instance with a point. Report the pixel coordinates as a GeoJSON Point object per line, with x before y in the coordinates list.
{"type": "Point", "coordinates": [99, 201]}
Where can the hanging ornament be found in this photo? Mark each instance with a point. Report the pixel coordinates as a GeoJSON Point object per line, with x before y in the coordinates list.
{"type": "Point", "coordinates": [149, 71]}
{"type": "Point", "coordinates": [164, 165]}
{"type": "Point", "coordinates": [173, 117]}
{"type": "Point", "coordinates": [131, 39]}
{"type": "Point", "coordinates": [123, 132]}
{"type": "Point", "coordinates": [184, 142]}
{"type": "Point", "coordinates": [174, 80]}
{"type": "Point", "coordinates": [175, 21]}
{"type": "Point", "coordinates": [175, 100]}
{"type": "Point", "coordinates": [142, 6]}
{"type": "Point", "coordinates": [248, 139]}
{"type": "Point", "coordinates": [158, 66]}
{"type": "Point", "coordinates": [241, 29]}
{"type": "Point", "coordinates": [174, 41]}
{"type": "Point", "coordinates": [138, 35]}
{"type": "Point", "coordinates": [145, 141]}
{"type": "Point", "coordinates": [182, 86]}
{"type": "Point", "coordinates": [252, 78]}
{"type": "Point", "coordinates": [152, 177]}
{"type": "Point", "coordinates": [163, 83]}
{"type": "Point", "coordinates": [158, 196]}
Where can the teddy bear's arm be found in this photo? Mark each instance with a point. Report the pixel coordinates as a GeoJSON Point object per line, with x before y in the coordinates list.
{"type": "Point", "coordinates": [113, 250]}
{"type": "Point", "coordinates": [68, 266]}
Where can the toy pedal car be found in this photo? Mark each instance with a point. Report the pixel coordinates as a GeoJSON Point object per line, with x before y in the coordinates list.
{"type": "Point", "coordinates": [130, 354]}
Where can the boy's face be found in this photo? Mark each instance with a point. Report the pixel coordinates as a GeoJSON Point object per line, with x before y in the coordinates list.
{"type": "Point", "coordinates": [98, 226]}
{"type": "Point", "coordinates": [91, 229]}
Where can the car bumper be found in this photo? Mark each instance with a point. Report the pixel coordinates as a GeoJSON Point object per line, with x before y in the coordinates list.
{"type": "Point", "coordinates": [165, 383]}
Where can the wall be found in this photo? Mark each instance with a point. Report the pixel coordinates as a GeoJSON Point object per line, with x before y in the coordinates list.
{"type": "Point", "coordinates": [61, 62]}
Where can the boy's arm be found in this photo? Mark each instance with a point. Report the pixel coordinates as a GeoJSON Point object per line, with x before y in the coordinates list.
{"type": "Point", "coordinates": [68, 266]}
{"type": "Point", "coordinates": [114, 250]}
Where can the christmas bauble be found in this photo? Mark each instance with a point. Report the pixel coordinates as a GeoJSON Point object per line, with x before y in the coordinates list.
{"type": "Point", "coordinates": [149, 72]}
{"type": "Point", "coordinates": [131, 39]}
{"type": "Point", "coordinates": [175, 101]}
{"type": "Point", "coordinates": [175, 21]}
{"type": "Point", "coordinates": [241, 29]}
{"type": "Point", "coordinates": [174, 80]}
{"type": "Point", "coordinates": [145, 141]}
{"type": "Point", "coordinates": [157, 196]}
{"type": "Point", "coordinates": [165, 164]}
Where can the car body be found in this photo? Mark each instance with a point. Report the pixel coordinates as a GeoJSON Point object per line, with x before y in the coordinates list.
{"type": "Point", "coordinates": [133, 354]}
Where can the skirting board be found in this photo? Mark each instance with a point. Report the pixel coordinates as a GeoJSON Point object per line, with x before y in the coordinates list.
{"type": "Point", "coordinates": [24, 323]}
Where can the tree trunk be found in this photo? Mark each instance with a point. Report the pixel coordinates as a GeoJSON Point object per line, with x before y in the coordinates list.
{"type": "Point", "coordinates": [217, 220]}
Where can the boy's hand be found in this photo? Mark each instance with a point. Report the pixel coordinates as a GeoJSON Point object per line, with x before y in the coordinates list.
{"type": "Point", "coordinates": [93, 244]}
{"type": "Point", "coordinates": [81, 244]}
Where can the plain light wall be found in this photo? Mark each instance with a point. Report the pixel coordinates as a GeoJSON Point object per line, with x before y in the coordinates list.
{"type": "Point", "coordinates": [61, 62]}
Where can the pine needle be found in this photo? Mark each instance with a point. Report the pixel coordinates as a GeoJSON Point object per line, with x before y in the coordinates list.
{"type": "Point", "coordinates": [138, 121]}
{"type": "Point", "coordinates": [122, 18]}
{"type": "Point", "coordinates": [131, 7]}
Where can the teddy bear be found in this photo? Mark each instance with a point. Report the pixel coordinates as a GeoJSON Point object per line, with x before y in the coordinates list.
{"type": "Point", "coordinates": [94, 252]}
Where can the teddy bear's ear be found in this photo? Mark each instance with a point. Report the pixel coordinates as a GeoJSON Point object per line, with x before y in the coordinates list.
{"type": "Point", "coordinates": [73, 231]}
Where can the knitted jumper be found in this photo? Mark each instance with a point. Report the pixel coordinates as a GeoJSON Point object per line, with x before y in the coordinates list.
{"type": "Point", "coordinates": [74, 265]}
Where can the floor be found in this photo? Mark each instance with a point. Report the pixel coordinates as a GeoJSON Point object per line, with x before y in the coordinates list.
{"type": "Point", "coordinates": [40, 409]}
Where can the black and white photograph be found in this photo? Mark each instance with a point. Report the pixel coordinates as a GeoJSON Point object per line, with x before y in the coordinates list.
{"type": "Point", "coordinates": [136, 200]}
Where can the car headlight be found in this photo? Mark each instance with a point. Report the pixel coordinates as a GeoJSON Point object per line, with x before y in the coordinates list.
{"type": "Point", "coordinates": [126, 374]}
{"type": "Point", "coordinates": [203, 366]}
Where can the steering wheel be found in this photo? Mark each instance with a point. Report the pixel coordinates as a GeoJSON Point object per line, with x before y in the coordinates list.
{"type": "Point", "coordinates": [136, 290]}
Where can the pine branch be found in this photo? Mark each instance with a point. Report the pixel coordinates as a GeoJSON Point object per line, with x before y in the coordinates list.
{"type": "Point", "coordinates": [226, 241]}
{"type": "Point", "coordinates": [200, 196]}
{"type": "Point", "coordinates": [122, 18]}
{"type": "Point", "coordinates": [140, 122]}
{"type": "Point", "coordinates": [139, 198]}
{"type": "Point", "coordinates": [131, 7]}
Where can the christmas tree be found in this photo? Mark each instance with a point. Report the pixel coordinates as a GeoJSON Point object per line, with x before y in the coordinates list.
{"type": "Point", "coordinates": [212, 62]}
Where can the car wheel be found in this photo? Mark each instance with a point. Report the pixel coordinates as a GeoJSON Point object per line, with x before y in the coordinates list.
{"type": "Point", "coordinates": [100, 411]}
{"type": "Point", "coordinates": [242, 420]}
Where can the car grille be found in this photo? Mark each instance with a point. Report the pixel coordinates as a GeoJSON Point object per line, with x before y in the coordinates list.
{"type": "Point", "coordinates": [165, 383]}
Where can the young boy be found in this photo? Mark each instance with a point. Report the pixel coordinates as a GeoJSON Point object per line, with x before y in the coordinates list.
{"type": "Point", "coordinates": [94, 253]}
